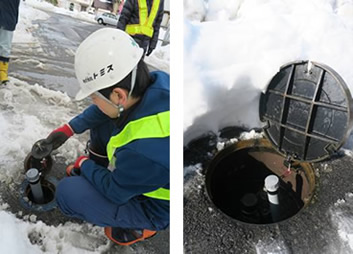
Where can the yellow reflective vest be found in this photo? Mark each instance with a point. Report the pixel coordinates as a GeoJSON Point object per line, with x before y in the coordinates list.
{"type": "Point", "coordinates": [154, 126]}
{"type": "Point", "coordinates": [145, 26]}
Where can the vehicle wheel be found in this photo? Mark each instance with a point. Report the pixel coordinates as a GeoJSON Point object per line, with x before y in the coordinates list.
{"type": "Point", "coordinates": [100, 21]}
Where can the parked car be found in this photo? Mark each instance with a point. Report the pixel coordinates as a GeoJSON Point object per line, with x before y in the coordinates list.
{"type": "Point", "coordinates": [107, 18]}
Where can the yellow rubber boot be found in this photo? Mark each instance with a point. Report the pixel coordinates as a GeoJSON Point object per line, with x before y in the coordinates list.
{"type": "Point", "coordinates": [4, 66]}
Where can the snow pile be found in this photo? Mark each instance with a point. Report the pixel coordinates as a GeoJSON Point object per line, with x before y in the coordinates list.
{"type": "Point", "coordinates": [14, 239]}
{"type": "Point", "coordinates": [159, 58]}
{"type": "Point", "coordinates": [17, 236]}
{"type": "Point", "coordinates": [195, 9]}
{"type": "Point", "coordinates": [341, 215]}
{"type": "Point", "coordinates": [29, 113]}
{"type": "Point", "coordinates": [231, 58]}
{"type": "Point", "coordinates": [222, 10]}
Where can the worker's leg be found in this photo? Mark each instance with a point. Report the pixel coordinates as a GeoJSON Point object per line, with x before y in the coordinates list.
{"type": "Point", "coordinates": [76, 197]}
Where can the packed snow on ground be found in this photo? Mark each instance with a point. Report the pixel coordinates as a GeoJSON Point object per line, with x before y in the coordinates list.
{"type": "Point", "coordinates": [341, 215]}
{"type": "Point", "coordinates": [29, 112]}
{"type": "Point", "coordinates": [17, 236]}
{"type": "Point", "coordinates": [234, 48]}
{"type": "Point", "coordinates": [274, 247]}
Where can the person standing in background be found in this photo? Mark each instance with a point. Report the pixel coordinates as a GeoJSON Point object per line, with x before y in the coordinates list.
{"type": "Point", "coordinates": [8, 22]}
{"type": "Point", "coordinates": [142, 20]}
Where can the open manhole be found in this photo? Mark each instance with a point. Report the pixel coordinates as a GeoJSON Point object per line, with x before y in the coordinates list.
{"type": "Point", "coordinates": [48, 189]}
{"type": "Point", "coordinates": [37, 191]}
{"type": "Point", "coordinates": [307, 108]}
{"type": "Point", "coordinates": [235, 183]}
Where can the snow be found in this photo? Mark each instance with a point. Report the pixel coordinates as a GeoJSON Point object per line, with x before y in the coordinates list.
{"type": "Point", "coordinates": [159, 58]}
{"type": "Point", "coordinates": [18, 236]}
{"type": "Point", "coordinates": [29, 112]}
{"type": "Point", "coordinates": [342, 218]}
{"type": "Point", "coordinates": [234, 48]}
{"type": "Point", "coordinates": [11, 240]}
{"type": "Point", "coordinates": [274, 247]}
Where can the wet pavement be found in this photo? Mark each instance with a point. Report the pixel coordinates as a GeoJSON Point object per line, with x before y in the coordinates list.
{"type": "Point", "coordinates": [313, 230]}
{"type": "Point", "coordinates": [50, 62]}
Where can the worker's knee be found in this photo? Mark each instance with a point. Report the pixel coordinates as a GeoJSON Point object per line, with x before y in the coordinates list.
{"type": "Point", "coordinates": [69, 195]}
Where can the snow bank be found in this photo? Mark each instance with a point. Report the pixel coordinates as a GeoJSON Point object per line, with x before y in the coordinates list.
{"type": "Point", "coordinates": [230, 59]}
{"type": "Point", "coordinates": [13, 236]}
{"type": "Point", "coordinates": [160, 58]}
{"type": "Point", "coordinates": [17, 236]}
{"type": "Point", "coordinates": [29, 113]}
{"type": "Point", "coordinates": [195, 9]}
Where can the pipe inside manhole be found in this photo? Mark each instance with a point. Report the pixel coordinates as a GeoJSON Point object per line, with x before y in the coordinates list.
{"type": "Point", "coordinates": [235, 182]}
{"type": "Point", "coordinates": [48, 192]}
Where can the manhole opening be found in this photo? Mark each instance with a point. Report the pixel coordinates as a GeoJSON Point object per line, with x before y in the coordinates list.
{"type": "Point", "coordinates": [235, 183]}
{"type": "Point", "coordinates": [48, 192]}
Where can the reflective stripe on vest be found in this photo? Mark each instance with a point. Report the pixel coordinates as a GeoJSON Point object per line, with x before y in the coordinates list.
{"type": "Point", "coordinates": [154, 126]}
{"type": "Point", "coordinates": [145, 26]}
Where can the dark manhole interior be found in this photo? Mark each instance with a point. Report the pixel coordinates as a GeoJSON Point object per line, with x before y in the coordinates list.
{"type": "Point", "coordinates": [48, 192]}
{"type": "Point", "coordinates": [235, 183]}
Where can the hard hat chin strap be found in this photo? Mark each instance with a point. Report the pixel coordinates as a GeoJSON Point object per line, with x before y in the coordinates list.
{"type": "Point", "coordinates": [118, 107]}
{"type": "Point", "coordinates": [133, 80]}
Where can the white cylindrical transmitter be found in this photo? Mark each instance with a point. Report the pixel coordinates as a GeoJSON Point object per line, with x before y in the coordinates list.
{"type": "Point", "coordinates": [271, 186]}
{"type": "Point", "coordinates": [33, 177]}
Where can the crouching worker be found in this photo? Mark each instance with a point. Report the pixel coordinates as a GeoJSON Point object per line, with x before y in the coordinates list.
{"type": "Point", "coordinates": [129, 130]}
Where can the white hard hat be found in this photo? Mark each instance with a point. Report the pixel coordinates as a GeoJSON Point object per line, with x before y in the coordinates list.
{"type": "Point", "coordinates": [103, 59]}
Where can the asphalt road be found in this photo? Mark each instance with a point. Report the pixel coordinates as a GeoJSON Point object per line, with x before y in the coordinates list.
{"type": "Point", "coordinates": [50, 62]}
